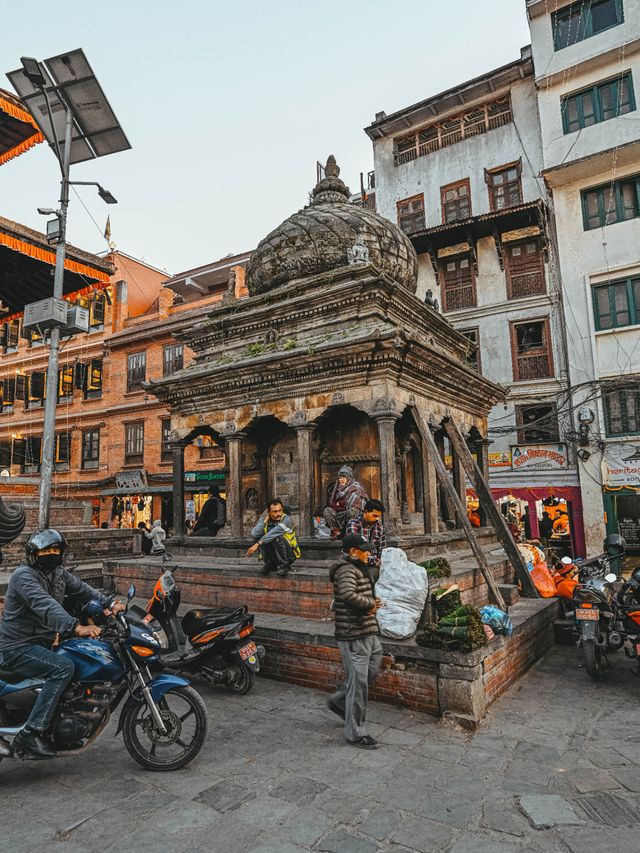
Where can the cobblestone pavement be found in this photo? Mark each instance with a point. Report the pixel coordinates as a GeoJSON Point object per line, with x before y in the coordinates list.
{"type": "Point", "coordinates": [557, 752]}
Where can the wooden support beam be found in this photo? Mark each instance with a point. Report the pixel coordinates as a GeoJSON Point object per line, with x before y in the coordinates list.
{"type": "Point", "coordinates": [493, 514]}
{"type": "Point", "coordinates": [465, 524]}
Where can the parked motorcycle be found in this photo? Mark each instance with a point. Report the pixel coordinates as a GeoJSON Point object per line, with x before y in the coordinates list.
{"type": "Point", "coordinates": [163, 719]}
{"type": "Point", "coordinates": [213, 643]}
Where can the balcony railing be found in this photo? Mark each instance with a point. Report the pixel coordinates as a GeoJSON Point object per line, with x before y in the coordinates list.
{"type": "Point", "coordinates": [463, 126]}
{"type": "Point", "coordinates": [533, 367]}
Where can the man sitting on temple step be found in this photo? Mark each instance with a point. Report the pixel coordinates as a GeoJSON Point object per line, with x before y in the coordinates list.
{"type": "Point", "coordinates": [369, 526]}
{"type": "Point", "coordinates": [275, 538]}
{"type": "Point", "coordinates": [347, 501]}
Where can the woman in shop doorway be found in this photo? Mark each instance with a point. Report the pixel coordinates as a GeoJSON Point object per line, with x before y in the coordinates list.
{"type": "Point", "coordinates": [213, 516]}
{"type": "Point", "coordinates": [146, 538]}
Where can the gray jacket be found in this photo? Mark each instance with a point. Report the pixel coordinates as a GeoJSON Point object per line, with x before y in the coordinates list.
{"type": "Point", "coordinates": [274, 529]}
{"type": "Point", "coordinates": [33, 611]}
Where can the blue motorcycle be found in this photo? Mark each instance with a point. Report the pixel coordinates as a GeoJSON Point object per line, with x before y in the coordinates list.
{"type": "Point", "coordinates": [163, 720]}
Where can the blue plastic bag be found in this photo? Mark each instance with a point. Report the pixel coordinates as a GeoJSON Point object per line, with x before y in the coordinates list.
{"type": "Point", "coordinates": [498, 620]}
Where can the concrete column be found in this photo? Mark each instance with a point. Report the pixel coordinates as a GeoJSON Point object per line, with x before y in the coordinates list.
{"type": "Point", "coordinates": [304, 435]}
{"type": "Point", "coordinates": [178, 490]}
{"type": "Point", "coordinates": [388, 477]}
{"type": "Point", "coordinates": [429, 492]}
{"type": "Point", "coordinates": [233, 448]}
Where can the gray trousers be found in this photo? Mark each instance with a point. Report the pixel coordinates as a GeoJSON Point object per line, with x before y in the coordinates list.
{"type": "Point", "coordinates": [361, 660]}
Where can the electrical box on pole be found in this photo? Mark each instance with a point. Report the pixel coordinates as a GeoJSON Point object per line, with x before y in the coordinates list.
{"type": "Point", "coordinates": [45, 314]}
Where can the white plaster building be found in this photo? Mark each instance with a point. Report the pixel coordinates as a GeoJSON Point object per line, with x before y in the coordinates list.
{"type": "Point", "coordinates": [460, 173]}
{"type": "Point", "coordinates": [587, 77]}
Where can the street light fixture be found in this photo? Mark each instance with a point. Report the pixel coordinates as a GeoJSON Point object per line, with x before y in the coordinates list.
{"type": "Point", "coordinates": [70, 108]}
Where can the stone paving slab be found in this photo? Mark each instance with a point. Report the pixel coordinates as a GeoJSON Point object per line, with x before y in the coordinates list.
{"type": "Point", "coordinates": [276, 777]}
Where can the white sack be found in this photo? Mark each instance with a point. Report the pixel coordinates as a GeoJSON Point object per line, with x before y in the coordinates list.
{"type": "Point", "coordinates": [402, 587]}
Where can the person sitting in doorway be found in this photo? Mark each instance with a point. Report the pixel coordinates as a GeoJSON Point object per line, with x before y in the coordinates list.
{"type": "Point", "coordinates": [369, 526]}
{"type": "Point", "coordinates": [157, 536]}
{"type": "Point", "coordinates": [545, 525]}
{"type": "Point", "coordinates": [275, 538]}
{"type": "Point", "coordinates": [561, 524]}
{"type": "Point", "coordinates": [213, 515]}
{"type": "Point", "coordinates": [146, 538]}
{"type": "Point", "coordinates": [347, 501]}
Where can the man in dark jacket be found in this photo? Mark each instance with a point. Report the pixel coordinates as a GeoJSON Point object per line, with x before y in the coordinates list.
{"type": "Point", "coordinates": [213, 515]}
{"type": "Point", "coordinates": [33, 616]}
{"type": "Point", "coordinates": [357, 631]}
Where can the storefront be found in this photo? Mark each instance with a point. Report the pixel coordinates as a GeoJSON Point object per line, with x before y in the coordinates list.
{"type": "Point", "coordinates": [131, 502]}
{"type": "Point", "coordinates": [196, 487]}
{"type": "Point", "coordinates": [621, 493]}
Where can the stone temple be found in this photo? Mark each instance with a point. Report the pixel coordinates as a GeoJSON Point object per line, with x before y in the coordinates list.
{"type": "Point", "coordinates": [333, 360]}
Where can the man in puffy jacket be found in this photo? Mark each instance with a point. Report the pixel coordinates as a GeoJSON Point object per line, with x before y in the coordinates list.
{"type": "Point", "coordinates": [357, 633]}
{"type": "Point", "coordinates": [32, 619]}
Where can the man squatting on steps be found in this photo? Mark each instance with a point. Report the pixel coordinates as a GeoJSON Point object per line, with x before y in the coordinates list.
{"type": "Point", "coordinates": [357, 631]}
{"type": "Point", "coordinates": [275, 537]}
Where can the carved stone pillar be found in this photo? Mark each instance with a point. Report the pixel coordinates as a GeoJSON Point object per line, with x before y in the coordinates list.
{"type": "Point", "coordinates": [304, 435]}
{"type": "Point", "coordinates": [402, 455]}
{"type": "Point", "coordinates": [178, 490]}
{"type": "Point", "coordinates": [482, 458]}
{"type": "Point", "coordinates": [459, 481]}
{"type": "Point", "coordinates": [388, 477]}
{"type": "Point", "coordinates": [429, 492]}
{"type": "Point", "coordinates": [233, 446]}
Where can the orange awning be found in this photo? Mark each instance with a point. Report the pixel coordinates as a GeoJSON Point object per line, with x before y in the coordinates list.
{"type": "Point", "coordinates": [20, 133]}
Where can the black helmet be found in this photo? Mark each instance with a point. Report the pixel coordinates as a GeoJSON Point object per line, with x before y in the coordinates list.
{"type": "Point", "coordinates": [615, 545]}
{"type": "Point", "coordinates": [635, 575]}
{"type": "Point", "coordinates": [46, 538]}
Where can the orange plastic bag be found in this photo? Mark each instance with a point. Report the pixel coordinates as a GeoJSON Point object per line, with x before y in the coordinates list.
{"type": "Point", "coordinates": [543, 581]}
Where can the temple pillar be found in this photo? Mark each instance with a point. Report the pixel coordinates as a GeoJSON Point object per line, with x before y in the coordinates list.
{"type": "Point", "coordinates": [306, 491]}
{"type": "Point", "coordinates": [482, 459]}
{"type": "Point", "coordinates": [388, 471]}
{"type": "Point", "coordinates": [459, 481]}
{"type": "Point", "coordinates": [233, 447]}
{"type": "Point", "coordinates": [429, 492]}
{"type": "Point", "coordinates": [178, 490]}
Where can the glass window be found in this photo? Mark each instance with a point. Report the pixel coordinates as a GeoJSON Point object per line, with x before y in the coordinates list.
{"type": "Point", "coordinates": [583, 19]}
{"type": "Point", "coordinates": [136, 370]}
{"type": "Point", "coordinates": [90, 448]}
{"type": "Point", "coordinates": [505, 186]}
{"type": "Point", "coordinates": [166, 454]}
{"type": "Point", "coordinates": [411, 214]}
{"type": "Point", "coordinates": [173, 359]}
{"type": "Point", "coordinates": [614, 202]}
{"type": "Point", "coordinates": [622, 410]}
{"type": "Point", "coordinates": [598, 103]}
{"type": "Point", "coordinates": [456, 201]}
{"type": "Point", "coordinates": [616, 303]}
{"type": "Point", "coordinates": [134, 442]}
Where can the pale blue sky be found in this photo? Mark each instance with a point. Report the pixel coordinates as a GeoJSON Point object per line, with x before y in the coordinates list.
{"type": "Point", "coordinates": [228, 106]}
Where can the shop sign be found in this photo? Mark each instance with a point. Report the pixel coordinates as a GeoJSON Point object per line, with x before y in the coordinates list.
{"type": "Point", "coordinates": [622, 465]}
{"type": "Point", "coordinates": [202, 476]}
{"type": "Point", "coordinates": [500, 460]}
{"type": "Point", "coordinates": [539, 457]}
{"type": "Point", "coordinates": [134, 480]}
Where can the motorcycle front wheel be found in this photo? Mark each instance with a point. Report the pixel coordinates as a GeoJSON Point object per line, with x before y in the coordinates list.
{"type": "Point", "coordinates": [241, 679]}
{"type": "Point", "coordinates": [593, 658]}
{"type": "Point", "coordinates": [184, 715]}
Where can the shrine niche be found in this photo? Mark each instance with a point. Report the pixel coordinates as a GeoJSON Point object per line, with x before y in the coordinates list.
{"type": "Point", "coordinates": [331, 360]}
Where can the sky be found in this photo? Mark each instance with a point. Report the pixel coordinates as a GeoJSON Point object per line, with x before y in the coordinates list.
{"type": "Point", "coordinates": [228, 106]}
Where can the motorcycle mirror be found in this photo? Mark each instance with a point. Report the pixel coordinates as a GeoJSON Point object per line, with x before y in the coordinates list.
{"type": "Point", "coordinates": [131, 592]}
{"type": "Point", "coordinates": [610, 578]}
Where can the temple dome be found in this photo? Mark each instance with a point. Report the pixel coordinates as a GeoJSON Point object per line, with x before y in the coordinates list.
{"type": "Point", "coordinates": [319, 237]}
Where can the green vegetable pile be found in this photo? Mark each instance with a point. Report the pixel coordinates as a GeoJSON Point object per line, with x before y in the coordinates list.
{"type": "Point", "coordinates": [459, 626]}
{"type": "Point", "coordinates": [438, 567]}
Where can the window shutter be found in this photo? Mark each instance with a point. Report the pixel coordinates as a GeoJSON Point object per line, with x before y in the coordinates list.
{"type": "Point", "coordinates": [5, 453]}
{"type": "Point", "coordinates": [36, 385]}
{"type": "Point", "coordinates": [63, 447]}
{"type": "Point", "coordinates": [13, 333]}
{"type": "Point", "coordinates": [80, 376]}
{"type": "Point", "coordinates": [8, 391]}
{"type": "Point", "coordinates": [94, 382]}
{"type": "Point", "coordinates": [4, 334]}
{"type": "Point", "coordinates": [97, 311]}
{"type": "Point", "coordinates": [19, 451]}
{"type": "Point", "coordinates": [21, 386]}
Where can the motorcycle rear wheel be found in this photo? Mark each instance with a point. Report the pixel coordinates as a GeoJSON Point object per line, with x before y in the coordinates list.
{"type": "Point", "coordinates": [154, 751]}
{"type": "Point", "coordinates": [593, 658]}
{"type": "Point", "coordinates": [242, 679]}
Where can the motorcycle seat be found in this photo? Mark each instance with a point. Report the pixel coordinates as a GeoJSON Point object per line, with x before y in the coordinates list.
{"type": "Point", "coordinates": [197, 620]}
{"type": "Point", "coordinates": [11, 677]}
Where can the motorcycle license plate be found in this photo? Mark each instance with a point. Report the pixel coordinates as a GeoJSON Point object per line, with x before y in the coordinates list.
{"type": "Point", "coordinates": [587, 615]}
{"type": "Point", "coordinates": [248, 650]}
{"type": "Point", "coordinates": [638, 649]}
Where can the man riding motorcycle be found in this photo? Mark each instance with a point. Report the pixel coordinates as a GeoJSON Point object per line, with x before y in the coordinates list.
{"type": "Point", "coordinates": [33, 618]}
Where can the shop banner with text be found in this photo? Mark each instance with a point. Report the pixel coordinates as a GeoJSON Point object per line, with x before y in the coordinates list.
{"type": "Point", "coordinates": [539, 457]}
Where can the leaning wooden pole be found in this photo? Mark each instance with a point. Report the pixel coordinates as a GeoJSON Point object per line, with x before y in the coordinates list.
{"type": "Point", "coordinates": [492, 513]}
{"type": "Point", "coordinates": [461, 511]}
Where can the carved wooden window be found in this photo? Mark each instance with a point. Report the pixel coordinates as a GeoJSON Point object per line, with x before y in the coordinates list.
{"type": "Point", "coordinates": [537, 423]}
{"type": "Point", "coordinates": [505, 185]}
{"type": "Point", "coordinates": [473, 353]}
{"type": "Point", "coordinates": [411, 214]}
{"type": "Point", "coordinates": [134, 443]}
{"type": "Point", "coordinates": [524, 267]}
{"type": "Point", "coordinates": [166, 454]}
{"type": "Point", "coordinates": [90, 448]}
{"type": "Point", "coordinates": [531, 350]}
{"type": "Point", "coordinates": [456, 201]}
{"type": "Point", "coordinates": [173, 359]}
{"type": "Point", "coordinates": [136, 370]}
{"type": "Point", "coordinates": [458, 283]}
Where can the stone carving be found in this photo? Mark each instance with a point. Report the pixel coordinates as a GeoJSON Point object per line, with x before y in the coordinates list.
{"type": "Point", "coordinates": [271, 337]}
{"type": "Point", "coordinates": [230, 427]}
{"type": "Point", "coordinates": [202, 420]}
{"type": "Point", "coordinates": [338, 399]}
{"type": "Point", "coordinates": [252, 499]}
{"type": "Point", "coordinates": [430, 300]}
{"type": "Point", "coordinates": [358, 253]}
{"type": "Point", "coordinates": [230, 292]}
{"type": "Point", "coordinates": [300, 417]}
{"type": "Point", "coordinates": [174, 435]}
{"type": "Point", "coordinates": [383, 406]}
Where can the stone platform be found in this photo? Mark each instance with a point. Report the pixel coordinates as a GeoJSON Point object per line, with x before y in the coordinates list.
{"type": "Point", "coordinates": [295, 624]}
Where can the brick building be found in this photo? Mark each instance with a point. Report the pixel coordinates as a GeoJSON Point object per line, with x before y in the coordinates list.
{"type": "Point", "coordinates": [110, 448]}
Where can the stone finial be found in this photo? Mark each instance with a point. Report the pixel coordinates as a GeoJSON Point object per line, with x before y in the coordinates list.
{"type": "Point", "coordinates": [332, 170]}
{"type": "Point", "coordinates": [331, 189]}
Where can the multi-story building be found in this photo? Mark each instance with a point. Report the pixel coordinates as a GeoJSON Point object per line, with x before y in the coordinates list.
{"type": "Point", "coordinates": [587, 62]}
{"type": "Point", "coordinates": [111, 447]}
{"type": "Point", "coordinates": [459, 173]}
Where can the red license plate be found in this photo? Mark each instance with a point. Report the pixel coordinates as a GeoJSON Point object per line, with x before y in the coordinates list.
{"type": "Point", "coordinates": [248, 650]}
{"type": "Point", "coordinates": [638, 649]}
{"type": "Point", "coordinates": [587, 615]}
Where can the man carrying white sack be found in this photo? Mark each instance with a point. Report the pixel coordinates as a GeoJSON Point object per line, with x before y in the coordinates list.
{"type": "Point", "coordinates": [403, 588]}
